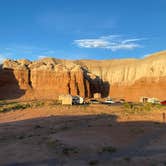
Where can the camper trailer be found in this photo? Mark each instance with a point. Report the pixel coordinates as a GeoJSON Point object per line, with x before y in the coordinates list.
{"type": "Point", "coordinates": [66, 99]}
{"type": "Point", "coordinates": [149, 100]}
{"type": "Point", "coordinates": [70, 100]}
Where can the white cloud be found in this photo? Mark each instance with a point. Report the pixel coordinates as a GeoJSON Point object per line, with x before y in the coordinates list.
{"type": "Point", "coordinates": [42, 56]}
{"type": "Point", "coordinates": [92, 43]}
{"type": "Point", "coordinates": [111, 42]}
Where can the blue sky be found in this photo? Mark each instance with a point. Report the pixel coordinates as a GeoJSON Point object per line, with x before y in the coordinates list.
{"type": "Point", "coordinates": [81, 29]}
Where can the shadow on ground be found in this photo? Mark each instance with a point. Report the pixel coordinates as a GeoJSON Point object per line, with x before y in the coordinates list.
{"type": "Point", "coordinates": [81, 140]}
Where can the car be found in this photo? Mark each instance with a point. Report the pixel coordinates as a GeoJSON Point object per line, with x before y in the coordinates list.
{"type": "Point", "coordinates": [122, 100]}
{"type": "Point", "coordinates": [108, 101]}
{"type": "Point", "coordinates": [163, 102]}
{"type": "Point", "coordinates": [94, 101]}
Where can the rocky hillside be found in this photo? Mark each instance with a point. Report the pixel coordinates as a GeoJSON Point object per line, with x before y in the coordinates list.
{"type": "Point", "coordinates": [49, 77]}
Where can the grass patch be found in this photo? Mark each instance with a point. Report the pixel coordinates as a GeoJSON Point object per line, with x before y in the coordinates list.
{"type": "Point", "coordinates": [132, 108]}
{"type": "Point", "coordinates": [69, 150]}
{"type": "Point", "coordinates": [37, 104]}
{"type": "Point", "coordinates": [61, 148]}
{"type": "Point", "coordinates": [14, 106]}
{"type": "Point", "coordinates": [109, 149]}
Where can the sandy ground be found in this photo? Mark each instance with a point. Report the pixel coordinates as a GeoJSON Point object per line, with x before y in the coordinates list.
{"type": "Point", "coordinates": [82, 135]}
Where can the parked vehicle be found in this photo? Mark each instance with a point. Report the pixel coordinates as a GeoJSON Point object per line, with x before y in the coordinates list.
{"type": "Point", "coordinates": [149, 100]}
{"type": "Point", "coordinates": [94, 101]}
{"type": "Point", "coordinates": [109, 101]}
{"type": "Point", "coordinates": [122, 100]}
{"type": "Point", "coordinates": [163, 102]}
{"type": "Point", "coordinates": [77, 100]}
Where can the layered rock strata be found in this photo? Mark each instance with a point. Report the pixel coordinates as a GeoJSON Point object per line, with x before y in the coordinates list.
{"type": "Point", "coordinates": [48, 78]}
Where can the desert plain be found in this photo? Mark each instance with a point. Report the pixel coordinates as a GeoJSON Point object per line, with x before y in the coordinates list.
{"type": "Point", "coordinates": [97, 134]}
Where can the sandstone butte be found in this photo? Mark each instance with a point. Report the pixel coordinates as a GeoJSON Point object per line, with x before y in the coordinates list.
{"type": "Point", "coordinates": [48, 78]}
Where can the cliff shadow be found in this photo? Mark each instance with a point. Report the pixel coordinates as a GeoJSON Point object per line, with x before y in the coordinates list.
{"type": "Point", "coordinates": [9, 86]}
{"type": "Point", "coordinates": [97, 85]}
{"type": "Point", "coordinates": [52, 140]}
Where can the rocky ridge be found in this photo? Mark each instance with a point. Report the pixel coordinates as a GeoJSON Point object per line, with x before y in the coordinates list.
{"type": "Point", "coordinates": [50, 77]}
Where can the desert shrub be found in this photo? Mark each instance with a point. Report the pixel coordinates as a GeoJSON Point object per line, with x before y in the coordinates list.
{"type": "Point", "coordinates": [1, 109]}
{"type": "Point", "coordinates": [69, 150]}
{"type": "Point", "coordinates": [14, 106]}
{"type": "Point", "coordinates": [147, 106]}
{"type": "Point", "coordinates": [21, 106]}
{"type": "Point", "coordinates": [128, 105]}
{"type": "Point", "coordinates": [138, 108]}
{"type": "Point", "coordinates": [37, 104]}
{"type": "Point", "coordinates": [2, 102]}
{"type": "Point", "coordinates": [109, 149]}
{"type": "Point", "coordinates": [159, 106]}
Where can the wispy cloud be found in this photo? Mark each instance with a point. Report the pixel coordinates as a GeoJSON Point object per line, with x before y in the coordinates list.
{"type": "Point", "coordinates": [111, 42]}
{"type": "Point", "coordinates": [42, 56]}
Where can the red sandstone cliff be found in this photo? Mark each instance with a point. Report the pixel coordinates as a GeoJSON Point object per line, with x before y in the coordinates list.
{"type": "Point", "coordinates": [42, 79]}
{"type": "Point", "coordinates": [49, 77]}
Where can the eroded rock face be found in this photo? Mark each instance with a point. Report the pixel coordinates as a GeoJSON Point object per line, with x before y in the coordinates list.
{"type": "Point", "coordinates": [132, 78]}
{"type": "Point", "coordinates": [45, 78]}
{"type": "Point", "coordinates": [48, 78]}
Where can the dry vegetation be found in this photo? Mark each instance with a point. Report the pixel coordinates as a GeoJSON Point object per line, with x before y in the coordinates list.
{"type": "Point", "coordinates": [45, 133]}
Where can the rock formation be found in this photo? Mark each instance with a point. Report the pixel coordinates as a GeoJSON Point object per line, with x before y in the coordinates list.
{"type": "Point", "coordinates": [132, 78]}
{"type": "Point", "coordinates": [48, 78]}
